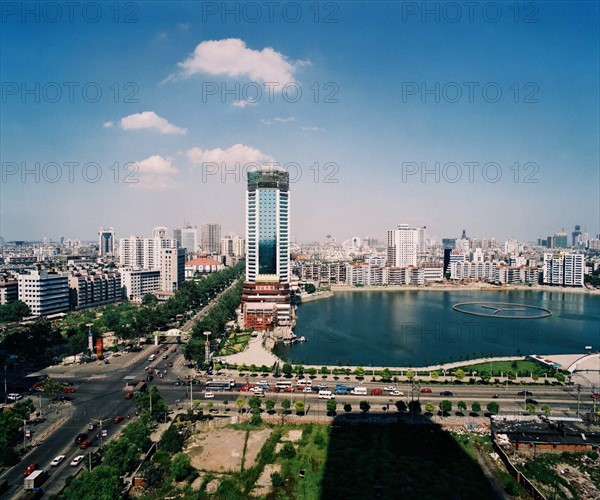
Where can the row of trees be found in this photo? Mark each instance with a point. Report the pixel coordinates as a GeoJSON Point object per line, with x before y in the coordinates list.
{"type": "Point", "coordinates": [15, 311]}
{"type": "Point", "coordinates": [11, 431]}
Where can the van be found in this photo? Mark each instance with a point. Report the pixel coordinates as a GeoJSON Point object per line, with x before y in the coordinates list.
{"type": "Point", "coordinates": [359, 391]}
{"type": "Point", "coordinates": [152, 357]}
{"type": "Point", "coordinates": [326, 395]}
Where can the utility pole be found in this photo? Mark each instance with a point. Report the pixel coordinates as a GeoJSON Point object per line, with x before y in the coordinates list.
{"type": "Point", "coordinates": [578, 397]}
{"type": "Point", "coordinates": [191, 397]}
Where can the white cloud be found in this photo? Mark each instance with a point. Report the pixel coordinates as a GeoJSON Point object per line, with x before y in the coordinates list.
{"type": "Point", "coordinates": [155, 174]}
{"type": "Point", "coordinates": [232, 58]}
{"type": "Point", "coordinates": [183, 26]}
{"type": "Point", "coordinates": [108, 124]}
{"type": "Point", "coordinates": [312, 129]}
{"type": "Point", "coordinates": [149, 119]}
{"type": "Point", "coordinates": [242, 104]}
{"type": "Point", "coordinates": [238, 153]}
{"type": "Point", "coordinates": [271, 121]}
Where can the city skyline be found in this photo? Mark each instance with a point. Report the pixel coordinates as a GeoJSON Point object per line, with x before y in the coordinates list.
{"type": "Point", "coordinates": [392, 127]}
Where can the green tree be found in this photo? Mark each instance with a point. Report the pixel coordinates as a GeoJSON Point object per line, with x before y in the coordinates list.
{"type": "Point", "coordinates": [312, 371]}
{"type": "Point", "coordinates": [359, 372]}
{"type": "Point", "coordinates": [410, 374]}
{"type": "Point", "coordinates": [299, 406]}
{"type": "Point", "coordinates": [287, 369]}
{"type": "Point", "coordinates": [122, 454]}
{"type": "Point", "coordinates": [254, 403]}
{"type": "Point", "coordinates": [335, 372]}
{"type": "Point", "coordinates": [181, 466]}
{"type": "Point", "coordinates": [386, 375]}
{"type": "Point", "coordinates": [171, 441]}
{"type": "Point", "coordinates": [364, 406]}
{"type": "Point", "coordinates": [15, 311]}
{"type": "Point", "coordinates": [299, 369]}
{"type": "Point", "coordinates": [445, 407]}
{"type": "Point", "coordinates": [310, 288]}
{"type": "Point", "coordinates": [288, 451]}
{"type": "Point", "coordinates": [347, 407]}
{"type": "Point", "coordinates": [485, 376]}
{"type": "Point", "coordinates": [102, 483]}
{"type": "Point", "coordinates": [149, 300]}
{"type": "Point", "coordinates": [435, 375]}
{"type": "Point", "coordinates": [331, 406]}
{"type": "Point", "coordinates": [240, 403]}
{"type": "Point", "coordinates": [137, 433]}
{"type": "Point", "coordinates": [511, 374]}
{"type": "Point", "coordinates": [277, 480]}
{"type": "Point", "coordinates": [535, 377]}
{"type": "Point", "coordinates": [270, 405]}
{"type": "Point", "coordinates": [476, 408]}
{"type": "Point", "coordinates": [462, 406]}
{"type": "Point", "coordinates": [414, 407]}
{"type": "Point", "coordinates": [324, 370]}
{"type": "Point", "coordinates": [401, 406]}
{"type": "Point", "coordinates": [286, 405]}
{"type": "Point", "coordinates": [429, 407]}
{"type": "Point", "coordinates": [530, 407]}
{"type": "Point", "coordinates": [459, 374]}
{"type": "Point", "coordinates": [560, 377]}
{"type": "Point", "coordinates": [53, 387]}
{"type": "Point", "coordinates": [493, 408]}
{"type": "Point", "coordinates": [546, 409]}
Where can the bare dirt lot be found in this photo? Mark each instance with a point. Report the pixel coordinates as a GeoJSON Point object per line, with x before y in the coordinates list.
{"type": "Point", "coordinates": [220, 450]}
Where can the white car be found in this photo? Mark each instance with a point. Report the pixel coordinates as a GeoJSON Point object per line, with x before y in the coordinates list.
{"type": "Point", "coordinates": [390, 388]}
{"type": "Point", "coordinates": [76, 461]}
{"type": "Point", "coordinates": [14, 397]}
{"type": "Point", "coordinates": [258, 392]}
{"type": "Point", "coordinates": [307, 389]}
{"type": "Point", "coordinates": [57, 461]}
{"type": "Point", "coordinates": [396, 393]}
{"type": "Point", "coordinates": [209, 395]}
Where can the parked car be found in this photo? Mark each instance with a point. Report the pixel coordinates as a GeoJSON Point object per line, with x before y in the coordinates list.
{"type": "Point", "coordinates": [14, 397]}
{"type": "Point", "coordinates": [85, 444]}
{"type": "Point", "coordinates": [447, 393]}
{"type": "Point", "coordinates": [530, 401]}
{"type": "Point", "coordinates": [77, 460]}
{"type": "Point", "coordinates": [118, 419]}
{"type": "Point", "coordinates": [524, 393]}
{"type": "Point", "coordinates": [81, 437]}
{"type": "Point", "coordinates": [376, 392]}
{"type": "Point", "coordinates": [209, 395]}
{"type": "Point", "coordinates": [69, 390]}
{"type": "Point", "coordinates": [129, 395]}
{"type": "Point", "coordinates": [57, 461]}
{"type": "Point", "coordinates": [30, 468]}
{"type": "Point", "coordinates": [426, 390]}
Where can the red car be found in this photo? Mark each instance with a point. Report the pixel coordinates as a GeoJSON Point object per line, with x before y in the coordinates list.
{"type": "Point", "coordinates": [165, 348]}
{"type": "Point", "coordinates": [156, 351]}
{"type": "Point", "coordinates": [596, 396]}
{"type": "Point", "coordinates": [129, 395]}
{"type": "Point", "coordinates": [246, 387]}
{"type": "Point", "coordinates": [85, 444]}
{"type": "Point", "coordinates": [69, 390]}
{"type": "Point", "coordinates": [288, 389]}
{"type": "Point", "coordinates": [30, 469]}
{"type": "Point", "coordinates": [376, 392]}
{"type": "Point", "coordinates": [426, 389]}
{"type": "Point", "coordinates": [118, 419]}
{"type": "Point", "coordinates": [149, 371]}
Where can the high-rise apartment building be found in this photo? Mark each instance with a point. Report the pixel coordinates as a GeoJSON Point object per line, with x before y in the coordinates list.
{"type": "Point", "coordinates": [211, 238]}
{"type": "Point", "coordinates": [44, 292]}
{"type": "Point", "coordinates": [106, 242]}
{"type": "Point", "coordinates": [187, 237]}
{"type": "Point", "coordinates": [563, 269]}
{"type": "Point", "coordinates": [143, 253]}
{"type": "Point", "coordinates": [266, 294]}
{"type": "Point", "coordinates": [159, 232]}
{"type": "Point", "coordinates": [172, 268]}
{"type": "Point", "coordinates": [404, 245]}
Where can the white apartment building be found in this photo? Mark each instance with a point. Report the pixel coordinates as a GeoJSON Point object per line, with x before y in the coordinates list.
{"type": "Point", "coordinates": [463, 270]}
{"type": "Point", "coordinates": [44, 292]}
{"type": "Point", "coordinates": [404, 245]}
{"type": "Point", "coordinates": [143, 253]}
{"type": "Point", "coordinates": [563, 269]}
{"type": "Point", "coordinates": [137, 283]}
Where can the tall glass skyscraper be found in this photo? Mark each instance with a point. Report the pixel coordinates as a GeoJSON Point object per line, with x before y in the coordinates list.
{"type": "Point", "coordinates": [266, 292]}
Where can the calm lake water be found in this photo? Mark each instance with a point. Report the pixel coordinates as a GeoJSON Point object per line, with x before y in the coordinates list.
{"type": "Point", "coordinates": [417, 328]}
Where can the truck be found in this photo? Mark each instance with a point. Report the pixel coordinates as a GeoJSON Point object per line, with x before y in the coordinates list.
{"type": "Point", "coordinates": [36, 479]}
{"type": "Point", "coordinates": [341, 389]}
{"type": "Point", "coordinates": [359, 391]}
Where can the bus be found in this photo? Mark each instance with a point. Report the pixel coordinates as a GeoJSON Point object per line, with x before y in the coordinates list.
{"type": "Point", "coordinates": [220, 385]}
{"type": "Point", "coordinates": [284, 384]}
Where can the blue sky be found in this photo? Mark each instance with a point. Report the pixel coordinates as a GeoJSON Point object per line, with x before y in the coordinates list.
{"type": "Point", "coordinates": [374, 128]}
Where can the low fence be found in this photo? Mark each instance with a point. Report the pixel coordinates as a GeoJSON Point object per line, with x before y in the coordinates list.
{"type": "Point", "coordinates": [517, 474]}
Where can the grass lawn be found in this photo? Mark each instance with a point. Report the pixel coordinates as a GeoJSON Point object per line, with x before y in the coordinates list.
{"type": "Point", "coordinates": [522, 367]}
{"type": "Point", "coordinates": [234, 344]}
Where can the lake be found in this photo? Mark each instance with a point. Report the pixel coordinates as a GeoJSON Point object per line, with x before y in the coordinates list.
{"type": "Point", "coordinates": [418, 328]}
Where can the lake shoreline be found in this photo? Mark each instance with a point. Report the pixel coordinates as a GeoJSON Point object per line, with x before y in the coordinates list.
{"type": "Point", "coordinates": [457, 288]}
